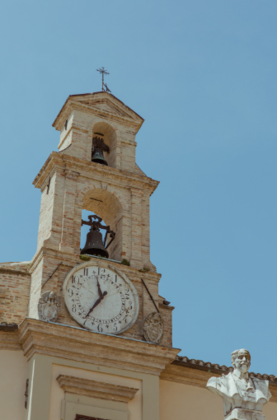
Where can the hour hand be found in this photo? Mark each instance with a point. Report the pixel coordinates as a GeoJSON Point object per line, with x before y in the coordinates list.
{"type": "Point", "coordinates": [97, 302]}
{"type": "Point", "coordinates": [99, 289]}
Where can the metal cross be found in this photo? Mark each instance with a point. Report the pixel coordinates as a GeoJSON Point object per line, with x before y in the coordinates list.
{"type": "Point", "coordinates": [104, 86]}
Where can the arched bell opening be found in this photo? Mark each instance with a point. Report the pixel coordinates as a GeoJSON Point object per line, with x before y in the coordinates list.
{"type": "Point", "coordinates": [105, 205]}
{"type": "Point", "coordinates": [104, 144]}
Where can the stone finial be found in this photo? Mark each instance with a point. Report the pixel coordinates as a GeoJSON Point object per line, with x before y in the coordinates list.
{"type": "Point", "coordinates": [49, 306]}
{"type": "Point", "coordinates": [243, 396]}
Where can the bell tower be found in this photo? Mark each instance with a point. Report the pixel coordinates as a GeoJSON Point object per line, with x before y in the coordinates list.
{"type": "Point", "coordinates": [96, 170]}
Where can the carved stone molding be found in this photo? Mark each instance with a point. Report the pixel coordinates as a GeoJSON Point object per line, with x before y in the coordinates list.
{"type": "Point", "coordinates": [38, 337]}
{"type": "Point", "coordinates": [113, 175]}
{"type": "Point", "coordinates": [197, 377]}
{"type": "Point", "coordinates": [4, 326]}
{"type": "Point", "coordinates": [95, 389]}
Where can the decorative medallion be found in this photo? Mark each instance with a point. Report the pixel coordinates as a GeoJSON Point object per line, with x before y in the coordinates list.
{"type": "Point", "coordinates": [153, 328]}
{"type": "Point", "coordinates": [49, 306]}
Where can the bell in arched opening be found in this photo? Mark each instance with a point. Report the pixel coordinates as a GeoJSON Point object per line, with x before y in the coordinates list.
{"type": "Point", "coordinates": [94, 243]}
{"type": "Point", "coordinates": [98, 147]}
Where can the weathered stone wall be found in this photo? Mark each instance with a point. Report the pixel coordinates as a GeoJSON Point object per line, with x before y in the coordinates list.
{"type": "Point", "coordinates": [14, 292]}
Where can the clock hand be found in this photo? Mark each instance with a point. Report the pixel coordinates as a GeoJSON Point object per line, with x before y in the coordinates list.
{"type": "Point", "coordinates": [97, 303]}
{"type": "Point", "coordinates": [99, 289]}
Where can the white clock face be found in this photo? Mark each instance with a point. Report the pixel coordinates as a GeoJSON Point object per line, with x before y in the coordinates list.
{"type": "Point", "coordinates": [101, 299]}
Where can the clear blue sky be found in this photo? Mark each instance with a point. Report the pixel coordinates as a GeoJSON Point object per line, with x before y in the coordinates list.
{"type": "Point", "coordinates": [203, 75]}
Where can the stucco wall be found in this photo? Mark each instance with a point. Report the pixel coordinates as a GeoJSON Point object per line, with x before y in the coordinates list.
{"type": "Point", "coordinates": [181, 402]}
{"type": "Point", "coordinates": [13, 373]}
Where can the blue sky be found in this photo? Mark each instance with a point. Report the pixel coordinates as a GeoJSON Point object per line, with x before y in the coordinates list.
{"type": "Point", "coordinates": [203, 75]}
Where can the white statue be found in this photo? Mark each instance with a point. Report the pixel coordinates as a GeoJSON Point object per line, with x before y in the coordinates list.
{"type": "Point", "coordinates": [243, 397]}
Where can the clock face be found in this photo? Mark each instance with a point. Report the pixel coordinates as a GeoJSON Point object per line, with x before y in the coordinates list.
{"type": "Point", "coordinates": [100, 298]}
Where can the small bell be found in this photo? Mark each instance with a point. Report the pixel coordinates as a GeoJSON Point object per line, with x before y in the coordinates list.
{"type": "Point", "coordinates": [97, 156]}
{"type": "Point", "coordinates": [94, 243]}
{"type": "Point", "coordinates": [98, 147]}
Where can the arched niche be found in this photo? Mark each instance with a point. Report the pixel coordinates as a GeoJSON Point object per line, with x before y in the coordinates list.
{"type": "Point", "coordinates": [109, 139]}
{"type": "Point", "coordinates": [107, 206]}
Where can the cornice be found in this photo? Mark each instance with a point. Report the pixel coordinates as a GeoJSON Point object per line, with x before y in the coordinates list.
{"type": "Point", "coordinates": [167, 307]}
{"type": "Point", "coordinates": [195, 376]}
{"type": "Point", "coordinates": [96, 389]}
{"type": "Point", "coordinates": [68, 259]}
{"type": "Point", "coordinates": [57, 340]}
{"type": "Point", "coordinates": [14, 272]}
{"type": "Point", "coordinates": [72, 260]}
{"type": "Point", "coordinates": [10, 340]}
{"type": "Point", "coordinates": [94, 171]}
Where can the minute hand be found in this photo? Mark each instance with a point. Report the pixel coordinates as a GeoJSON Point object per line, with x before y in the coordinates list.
{"type": "Point", "coordinates": [97, 303]}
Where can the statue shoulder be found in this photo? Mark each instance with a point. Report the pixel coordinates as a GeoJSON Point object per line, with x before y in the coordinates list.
{"type": "Point", "coordinates": [218, 382]}
{"type": "Point", "coordinates": [263, 386]}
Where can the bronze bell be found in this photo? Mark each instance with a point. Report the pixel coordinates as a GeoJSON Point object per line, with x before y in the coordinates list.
{"type": "Point", "coordinates": [94, 243]}
{"type": "Point", "coordinates": [98, 147]}
{"type": "Point", "coordinates": [97, 156]}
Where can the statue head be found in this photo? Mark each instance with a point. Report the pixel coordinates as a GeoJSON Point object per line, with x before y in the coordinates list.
{"type": "Point", "coordinates": [241, 360]}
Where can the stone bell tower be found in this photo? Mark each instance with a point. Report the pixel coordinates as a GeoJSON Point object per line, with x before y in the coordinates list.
{"type": "Point", "coordinates": [118, 192]}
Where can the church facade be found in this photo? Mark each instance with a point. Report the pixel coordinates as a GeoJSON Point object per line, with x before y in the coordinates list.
{"type": "Point", "coordinates": [84, 333]}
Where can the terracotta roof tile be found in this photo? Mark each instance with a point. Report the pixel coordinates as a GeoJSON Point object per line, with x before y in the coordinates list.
{"type": "Point", "coordinates": [215, 368]}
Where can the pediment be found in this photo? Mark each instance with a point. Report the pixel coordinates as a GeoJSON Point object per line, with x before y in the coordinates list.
{"type": "Point", "coordinates": [102, 102]}
{"type": "Point", "coordinates": [109, 107]}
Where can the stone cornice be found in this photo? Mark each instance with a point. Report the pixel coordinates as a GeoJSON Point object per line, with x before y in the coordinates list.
{"type": "Point", "coordinates": [94, 171]}
{"type": "Point", "coordinates": [14, 272]}
{"type": "Point", "coordinates": [177, 372]}
{"type": "Point", "coordinates": [95, 389]}
{"type": "Point", "coordinates": [71, 260]}
{"type": "Point", "coordinates": [57, 340]}
{"type": "Point", "coordinates": [9, 340]}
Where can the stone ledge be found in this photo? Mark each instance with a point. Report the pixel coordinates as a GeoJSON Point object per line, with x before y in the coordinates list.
{"type": "Point", "coordinates": [179, 373]}
{"type": "Point", "coordinates": [11, 271]}
{"type": "Point", "coordinates": [74, 343]}
{"type": "Point", "coordinates": [95, 389]}
{"type": "Point", "coordinates": [71, 260]}
{"type": "Point", "coordinates": [85, 168]}
{"type": "Point", "coordinates": [9, 340]}
{"type": "Point", "coordinates": [169, 308]}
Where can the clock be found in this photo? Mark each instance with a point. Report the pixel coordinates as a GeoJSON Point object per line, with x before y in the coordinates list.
{"type": "Point", "coordinates": [101, 298]}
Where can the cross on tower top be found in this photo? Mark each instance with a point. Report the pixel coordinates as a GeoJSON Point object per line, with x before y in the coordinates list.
{"type": "Point", "coordinates": [104, 85]}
